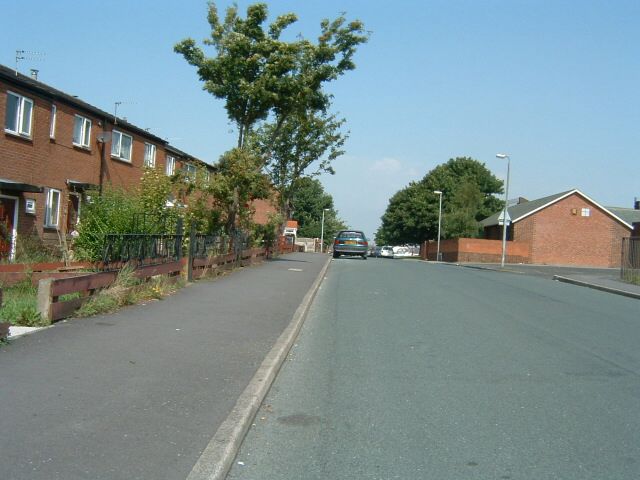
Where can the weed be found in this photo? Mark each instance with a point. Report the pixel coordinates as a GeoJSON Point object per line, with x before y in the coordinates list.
{"type": "Point", "coordinates": [113, 297]}
{"type": "Point", "coordinates": [20, 306]}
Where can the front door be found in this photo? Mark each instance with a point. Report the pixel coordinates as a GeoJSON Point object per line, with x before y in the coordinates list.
{"type": "Point", "coordinates": [7, 215]}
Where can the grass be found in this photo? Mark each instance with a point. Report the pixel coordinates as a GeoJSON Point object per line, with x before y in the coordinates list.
{"type": "Point", "coordinates": [632, 277]}
{"type": "Point", "coordinates": [20, 306]}
{"type": "Point", "coordinates": [128, 290]}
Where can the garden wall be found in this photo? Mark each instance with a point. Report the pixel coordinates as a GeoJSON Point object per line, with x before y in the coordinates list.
{"type": "Point", "coordinates": [475, 250]}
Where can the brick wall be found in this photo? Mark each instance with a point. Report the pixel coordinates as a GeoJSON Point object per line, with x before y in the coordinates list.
{"type": "Point", "coordinates": [475, 250]}
{"type": "Point", "coordinates": [263, 210]}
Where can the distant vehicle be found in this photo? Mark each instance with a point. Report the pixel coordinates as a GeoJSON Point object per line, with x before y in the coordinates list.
{"type": "Point", "coordinates": [401, 252]}
{"type": "Point", "coordinates": [386, 251]}
{"type": "Point", "coordinates": [350, 242]}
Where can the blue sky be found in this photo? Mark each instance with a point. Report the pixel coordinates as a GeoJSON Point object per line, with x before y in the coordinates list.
{"type": "Point", "coordinates": [556, 84]}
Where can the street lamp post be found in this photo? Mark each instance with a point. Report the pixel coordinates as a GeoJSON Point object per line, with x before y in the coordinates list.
{"type": "Point", "coordinates": [505, 216]}
{"type": "Point", "coordinates": [439, 192]}
{"type": "Point", "coordinates": [322, 230]}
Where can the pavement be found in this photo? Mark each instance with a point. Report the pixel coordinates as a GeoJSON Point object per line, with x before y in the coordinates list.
{"type": "Point", "coordinates": [163, 390]}
{"type": "Point", "coordinates": [604, 279]}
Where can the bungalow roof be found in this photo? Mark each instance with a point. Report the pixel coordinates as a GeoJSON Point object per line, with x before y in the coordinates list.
{"type": "Point", "coordinates": [523, 210]}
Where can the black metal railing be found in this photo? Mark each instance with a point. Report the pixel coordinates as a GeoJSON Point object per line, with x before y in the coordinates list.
{"type": "Point", "coordinates": [630, 264]}
{"type": "Point", "coordinates": [209, 245]}
{"type": "Point", "coordinates": [203, 246]}
{"type": "Point", "coordinates": [139, 248]}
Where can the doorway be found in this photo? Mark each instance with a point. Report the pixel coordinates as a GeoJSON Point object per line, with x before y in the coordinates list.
{"type": "Point", "coordinates": [8, 224]}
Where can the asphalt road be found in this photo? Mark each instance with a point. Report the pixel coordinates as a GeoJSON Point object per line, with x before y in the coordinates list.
{"type": "Point", "coordinates": [411, 370]}
{"type": "Point", "coordinates": [139, 394]}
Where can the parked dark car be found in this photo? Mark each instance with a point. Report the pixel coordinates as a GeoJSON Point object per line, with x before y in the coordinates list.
{"type": "Point", "coordinates": [350, 242]}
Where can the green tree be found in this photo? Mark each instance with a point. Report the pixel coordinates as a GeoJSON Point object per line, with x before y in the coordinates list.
{"type": "Point", "coordinates": [409, 217]}
{"type": "Point", "coordinates": [258, 74]}
{"type": "Point", "coordinates": [469, 190]}
{"type": "Point", "coordinates": [306, 140]}
{"type": "Point", "coordinates": [310, 201]}
{"type": "Point", "coordinates": [237, 182]}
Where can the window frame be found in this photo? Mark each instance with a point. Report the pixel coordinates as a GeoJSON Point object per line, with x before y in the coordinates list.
{"type": "Point", "coordinates": [52, 124]}
{"type": "Point", "coordinates": [19, 117]}
{"type": "Point", "coordinates": [170, 165]}
{"type": "Point", "coordinates": [149, 155]}
{"type": "Point", "coordinates": [48, 209]}
{"type": "Point", "coordinates": [85, 133]}
{"type": "Point", "coordinates": [118, 154]}
{"type": "Point", "coordinates": [190, 172]}
{"type": "Point", "coordinates": [586, 212]}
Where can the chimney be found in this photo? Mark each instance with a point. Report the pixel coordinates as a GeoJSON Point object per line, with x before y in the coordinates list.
{"type": "Point", "coordinates": [636, 204]}
{"type": "Point", "coordinates": [34, 73]}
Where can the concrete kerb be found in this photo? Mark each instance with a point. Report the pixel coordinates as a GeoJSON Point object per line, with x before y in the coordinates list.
{"type": "Point", "coordinates": [560, 278]}
{"type": "Point", "coordinates": [602, 288]}
{"type": "Point", "coordinates": [217, 458]}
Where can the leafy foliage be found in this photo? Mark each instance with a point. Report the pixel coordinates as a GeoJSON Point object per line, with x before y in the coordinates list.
{"type": "Point", "coordinates": [304, 140]}
{"type": "Point", "coordinates": [469, 190]}
{"type": "Point", "coordinates": [239, 180]}
{"type": "Point", "coordinates": [258, 74]}
{"type": "Point", "coordinates": [261, 77]}
{"type": "Point", "coordinates": [310, 200]}
{"type": "Point", "coordinates": [115, 211]}
{"type": "Point", "coordinates": [120, 211]}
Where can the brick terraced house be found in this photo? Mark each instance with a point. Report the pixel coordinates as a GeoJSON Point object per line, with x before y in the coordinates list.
{"type": "Point", "coordinates": [54, 147]}
{"type": "Point", "coordinates": [567, 228]}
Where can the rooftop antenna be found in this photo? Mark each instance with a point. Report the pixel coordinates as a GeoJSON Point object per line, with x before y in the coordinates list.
{"type": "Point", "coordinates": [26, 55]}
{"type": "Point", "coordinates": [115, 109]}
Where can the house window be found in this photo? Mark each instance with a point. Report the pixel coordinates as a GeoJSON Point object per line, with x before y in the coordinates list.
{"type": "Point", "coordinates": [149, 155]}
{"type": "Point", "coordinates": [52, 209]}
{"type": "Point", "coordinates": [121, 146]}
{"type": "Point", "coordinates": [190, 172]}
{"type": "Point", "coordinates": [586, 212]}
{"type": "Point", "coordinates": [19, 114]}
{"type": "Point", "coordinates": [170, 168]}
{"type": "Point", "coordinates": [52, 126]}
{"type": "Point", "coordinates": [82, 132]}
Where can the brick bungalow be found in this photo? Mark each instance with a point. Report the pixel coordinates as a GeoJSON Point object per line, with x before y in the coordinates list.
{"type": "Point", "coordinates": [567, 228]}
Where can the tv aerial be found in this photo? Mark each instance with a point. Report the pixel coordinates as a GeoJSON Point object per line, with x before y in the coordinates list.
{"type": "Point", "coordinates": [27, 55]}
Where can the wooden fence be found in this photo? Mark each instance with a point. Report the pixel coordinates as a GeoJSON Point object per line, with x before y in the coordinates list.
{"type": "Point", "coordinates": [52, 308]}
{"type": "Point", "coordinates": [55, 280]}
{"type": "Point", "coordinates": [10, 274]}
{"type": "Point", "coordinates": [50, 290]}
{"type": "Point", "coordinates": [221, 263]}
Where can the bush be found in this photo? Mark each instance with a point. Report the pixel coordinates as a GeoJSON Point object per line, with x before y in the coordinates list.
{"type": "Point", "coordinates": [31, 249]}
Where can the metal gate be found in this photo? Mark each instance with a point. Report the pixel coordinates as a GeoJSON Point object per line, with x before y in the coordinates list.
{"type": "Point", "coordinates": [630, 264]}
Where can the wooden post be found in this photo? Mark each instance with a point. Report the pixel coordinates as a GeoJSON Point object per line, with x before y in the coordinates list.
{"type": "Point", "coordinates": [45, 299]}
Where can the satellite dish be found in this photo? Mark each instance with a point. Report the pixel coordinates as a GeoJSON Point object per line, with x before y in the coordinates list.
{"type": "Point", "coordinates": [104, 137]}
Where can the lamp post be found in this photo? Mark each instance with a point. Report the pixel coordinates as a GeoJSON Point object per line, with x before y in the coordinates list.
{"type": "Point", "coordinates": [322, 230]}
{"type": "Point", "coordinates": [505, 216]}
{"type": "Point", "coordinates": [439, 192]}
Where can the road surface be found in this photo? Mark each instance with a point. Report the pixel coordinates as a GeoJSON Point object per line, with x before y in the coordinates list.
{"type": "Point", "coordinates": [411, 370]}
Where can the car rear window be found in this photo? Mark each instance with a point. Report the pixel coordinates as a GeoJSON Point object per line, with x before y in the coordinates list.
{"type": "Point", "coordinates": [351, 235]}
